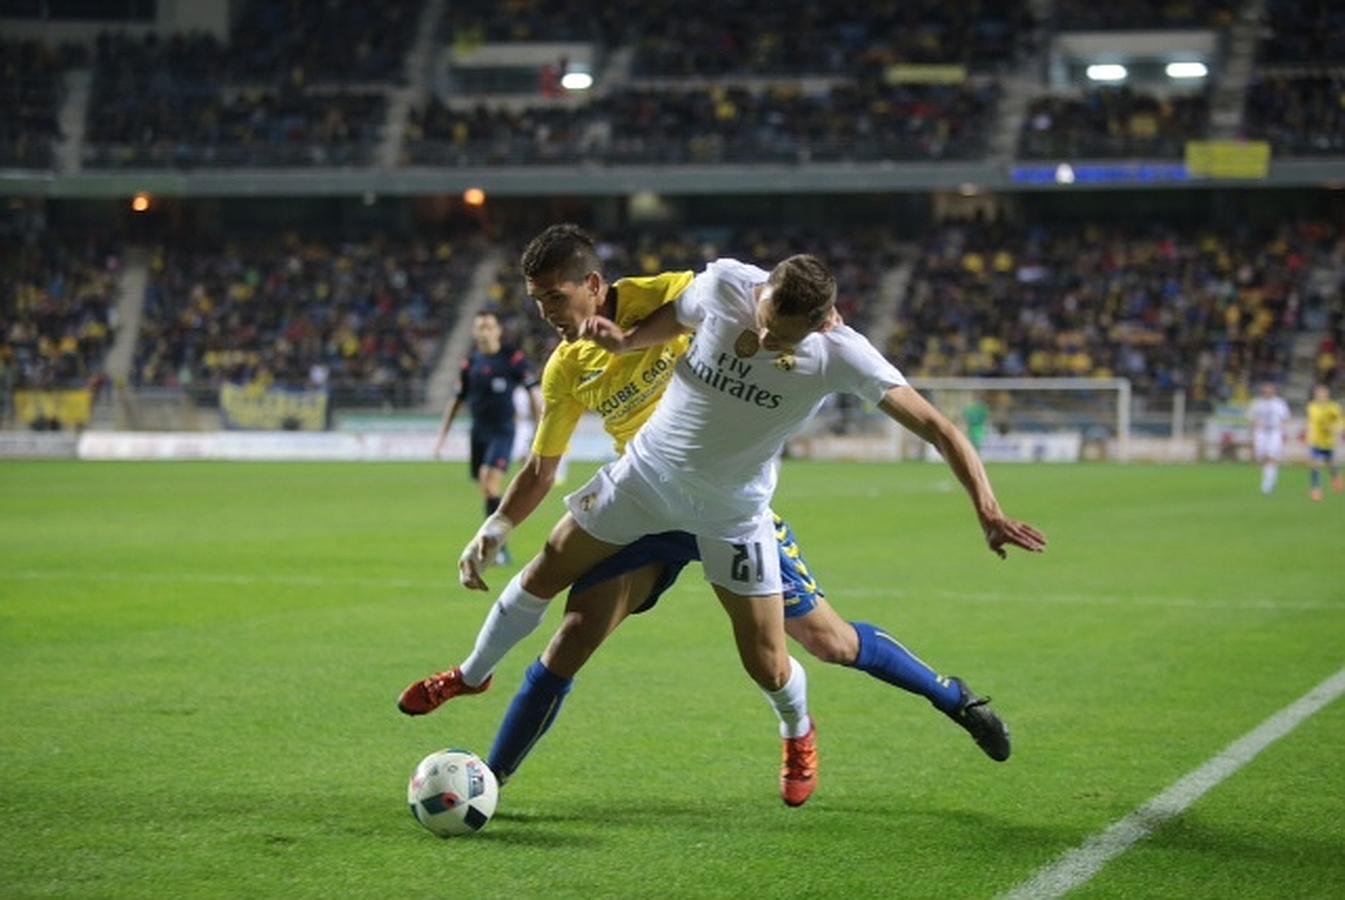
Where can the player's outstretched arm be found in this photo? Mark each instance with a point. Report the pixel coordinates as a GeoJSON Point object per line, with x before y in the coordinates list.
{"type": "Point", "coordinates": [525, 493]}
{"type": "Point", "coordinates": [659, 327]}
{"type": "Point", "coordinates": [915, 413]}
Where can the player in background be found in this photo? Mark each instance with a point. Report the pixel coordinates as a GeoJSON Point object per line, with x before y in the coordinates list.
{"type": "Point", "coordinates": [489, 377]}
{"type": "Point", "coordinates": [1269, 414]}
{"type": "Point", "coordinates": [1325, 423]}
{"type": "Point", "coordinates": [976, 415]}
{"type": "Point", "coordinates": [566, 293]}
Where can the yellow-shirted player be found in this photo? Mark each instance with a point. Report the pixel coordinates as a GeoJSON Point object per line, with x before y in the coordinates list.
{"type": "Point", "coordinates": [563, 277]}
{"type": "Point", "coordinates": [623, 390]}
{"type": "Point", "coordinates": [1325, 423]}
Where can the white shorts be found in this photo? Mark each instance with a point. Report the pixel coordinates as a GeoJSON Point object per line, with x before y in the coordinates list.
{"type": "Point", "coordinates": [1267, 444]}
{"type": "Point", "coordinates": [619, 507]}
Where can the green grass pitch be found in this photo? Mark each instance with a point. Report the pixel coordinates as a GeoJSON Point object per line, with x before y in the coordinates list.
{"type": "Point", "coordinates": [199, 663]}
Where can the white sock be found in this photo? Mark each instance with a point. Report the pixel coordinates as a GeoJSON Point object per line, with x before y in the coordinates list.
{"type": "Point", "coordinates": [791, 702]}
{"type": "Point", "coordinates": [514, 616]}
{"type": "Point", "coordinates": [1269, 473]}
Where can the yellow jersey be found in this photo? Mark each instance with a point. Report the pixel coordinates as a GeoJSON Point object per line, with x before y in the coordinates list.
{"type": "Point", "coordinates": [622, 389]}
{"type": "Point", "coordinates": [1324, 423]}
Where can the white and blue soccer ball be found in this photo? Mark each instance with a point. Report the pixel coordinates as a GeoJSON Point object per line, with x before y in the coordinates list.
{"type": "Point", "coordinates": [452, 792]}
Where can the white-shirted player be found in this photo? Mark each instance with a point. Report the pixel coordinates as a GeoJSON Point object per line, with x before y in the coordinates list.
{"type": "Point", "coordinates": [769, 348]}
{"type": "Point", "coordinates": [1269, 415]}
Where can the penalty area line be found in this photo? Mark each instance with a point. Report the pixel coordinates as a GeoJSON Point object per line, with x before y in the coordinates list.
{"type": "Point", "coordinates": [1078, 866]}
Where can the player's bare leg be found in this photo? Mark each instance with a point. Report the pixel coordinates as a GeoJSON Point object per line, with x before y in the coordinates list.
{"type": "Point", "coordinates": [594, 614]}
{"type": "Point", "coordinates": [831, 639]}
{"type": "Point", "coordinates": [758, 630]}
{"type": "Point", "coordinates": [590, 616]}
{"type": "Point", "coordinates": [825, 635]}
{"type": "Point", "coordinates": [569, 553]}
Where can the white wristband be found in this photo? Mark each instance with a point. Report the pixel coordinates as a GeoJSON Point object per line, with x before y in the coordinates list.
{"type": "Point", "coordinates": [497, 526]}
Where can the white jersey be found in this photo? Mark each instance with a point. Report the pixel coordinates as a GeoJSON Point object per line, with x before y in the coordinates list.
{"type": "Point", "coordinates": [709, 451]}
{"type": "Point", "coordinates": [1269, 414]}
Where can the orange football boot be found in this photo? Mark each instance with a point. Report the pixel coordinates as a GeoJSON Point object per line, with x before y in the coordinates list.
{"type": "Point", "coordinates": [428, 695]}
{"type": "Point", "coordinates": [798, 771]}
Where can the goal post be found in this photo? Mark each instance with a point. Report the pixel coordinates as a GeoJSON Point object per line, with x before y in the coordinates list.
{"type": "Point", "coordinates": [1093, 411]}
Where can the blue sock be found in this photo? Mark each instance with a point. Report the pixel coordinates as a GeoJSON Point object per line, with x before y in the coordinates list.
{"type": "Point", "coordinates": [882, 657]}
{"type": "Point", "coordinates": [1316, 478]}
{"type": "Point", "coordinates": [530, 714]}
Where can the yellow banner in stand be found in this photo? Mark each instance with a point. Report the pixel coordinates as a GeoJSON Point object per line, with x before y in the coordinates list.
{"type": "Point", "coordinates": [1228, 159]}
{"type": "Point", "coordinates": [72, 408]}
{"type": "Point", "coordinates": [925, 74]}
{"type": "Point", "coordinates": [273, 409]}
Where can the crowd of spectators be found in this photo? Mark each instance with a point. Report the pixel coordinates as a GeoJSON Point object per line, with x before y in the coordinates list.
{"type": "Point", "coordinates": [1297, 99]}
{"type": "Point", "coordinates": [768, 37]}
{"type": "Point", "coordinates": [365, 320]}
{"type": "Point", "coordinates": [323, 41]}
{"type": "Point", "coordinates": [1126, 15]}
{"type": "Point", "coordinates": [859, 257]}
{"type": "Point", "coordinates": [57, 304]}
{"type": "Point", "coordinates": [1299, 115]}
{"type": "Point", "coordinates": [706, 38]}
{"type": "Point", "coordinates": [307, 82]}
{"type": "Point", "coordinates": [166, 103]}
{"type": "Point", "coordinates": [716, 124]}
{"type": "Point", "coordinates": [1106, 123]}
{"type": "Point", "coordinates": [1303, 32]}
{"type": "Point", "coordinates": [1210, 311]}
{"type": "Point", "coordinates": [30, 98]}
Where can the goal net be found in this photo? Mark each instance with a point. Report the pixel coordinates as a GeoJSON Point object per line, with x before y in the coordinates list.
{"type": "Point", "coordinates": [1009, 419]}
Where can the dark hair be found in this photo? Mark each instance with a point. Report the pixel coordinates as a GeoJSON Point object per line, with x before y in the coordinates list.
{"type": "Point", "coordinates": [804, 286]}
{"type": "Point", "coordinates": [565, 249]}
{"type": "Point", "coordinates": [489, 311]}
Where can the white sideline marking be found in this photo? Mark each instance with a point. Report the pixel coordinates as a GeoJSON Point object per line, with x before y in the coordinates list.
{"type": "Point", "coordinates": [1078, 866]}
{"type": "Point", "coordinates": [449, 580]}
{"type": "Point", "coordinates": [232, 578]}
{"type": "Point", "coordinates": [1083, 599]}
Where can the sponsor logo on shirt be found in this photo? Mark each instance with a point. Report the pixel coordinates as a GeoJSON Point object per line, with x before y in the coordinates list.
{"type": "Point", "coordinates": [729, 375]}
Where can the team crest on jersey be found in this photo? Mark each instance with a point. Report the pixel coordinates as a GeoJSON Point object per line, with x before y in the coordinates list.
{"type": "Point", "coordinates": [786, 362]}
{"type": "Point", "coordinates": [748, 343]}
{"type": "Point", "coordinates": [586, 502]}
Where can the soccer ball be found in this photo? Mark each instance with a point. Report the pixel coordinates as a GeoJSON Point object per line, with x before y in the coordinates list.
{"type": "Point", "coordinates": [452, 792]}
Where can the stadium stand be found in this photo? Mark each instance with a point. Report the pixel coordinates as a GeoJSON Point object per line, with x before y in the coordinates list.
{"type": "Point", "coordinates": [1303, 32]}
{"type": "Point", "coordinates": [713, 125]}
{"type": "Point", "coordinates": [165, 103]}
{"type": "Point", "coordinates": [1162, 306]}
{"type": "Point", "coordinates": [323, 41]}
{"type": "Point", "coordinates": [1294, 100]}
{"type": "Point", "coordinates": [56, 316]}
{"type": "Point", "coordinates": [30, 97]}
{"type": "Point", "coordinates": [1112, 122]}
{"type": "Point", "coordinates": [1086, 15]}
{"type": "Point", "coordinates": [365, 319]}
{"type": "Point", "coordinates": [1299, 115]}
{"type": "Point", "coordinates": [758, 37]}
